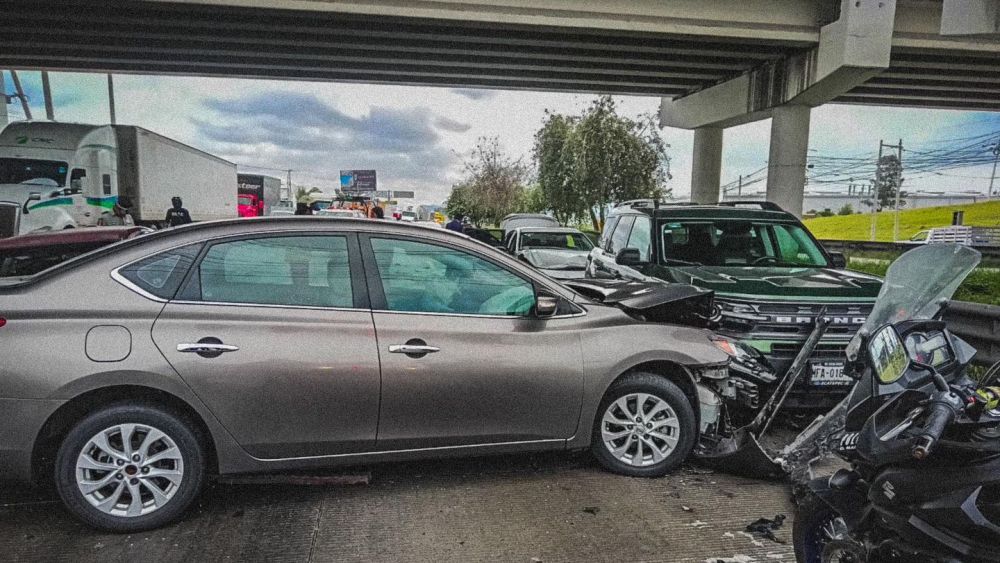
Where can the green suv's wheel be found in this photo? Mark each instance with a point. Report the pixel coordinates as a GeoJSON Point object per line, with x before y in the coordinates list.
{"type": "Point", "coordinates": [645, 426]}
{"type": "Point", "coordinates": [127, 468]}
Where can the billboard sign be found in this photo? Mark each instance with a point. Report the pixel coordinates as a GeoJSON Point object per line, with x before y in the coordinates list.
{"type": "Point", "coordinates": [357, 181]}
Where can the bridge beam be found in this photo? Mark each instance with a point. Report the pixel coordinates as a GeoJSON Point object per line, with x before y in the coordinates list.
{"type": "Point", "coordinates": [851, 50]}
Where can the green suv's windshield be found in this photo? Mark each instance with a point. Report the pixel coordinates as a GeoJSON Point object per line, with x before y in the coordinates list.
{"type": "Point", "coordinates": [721, 242]}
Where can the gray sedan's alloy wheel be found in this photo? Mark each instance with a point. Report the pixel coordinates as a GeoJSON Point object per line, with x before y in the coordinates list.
{"type": "Point", "coordinates": [130, 467]}
{"type": "Point", "coordinates": [645, 426]}
{"type": "Point", "coordinates": [640, 429]}
{"type": "Point", "coordinates": [129, 470]}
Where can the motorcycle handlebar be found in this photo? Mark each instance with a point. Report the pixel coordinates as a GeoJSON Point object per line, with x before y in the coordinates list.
{"type": "Point", "coordinates": [941, 415]}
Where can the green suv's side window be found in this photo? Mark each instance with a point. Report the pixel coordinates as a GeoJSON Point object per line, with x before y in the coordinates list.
{"type": "Point", "coordinates": [293, 270]}
{"type": "Point", "coordinates": [640, 237]}
{"type": "Point", "coordinates": [428, 278]}
{"type": "Point", "coordinates": [795, 247]}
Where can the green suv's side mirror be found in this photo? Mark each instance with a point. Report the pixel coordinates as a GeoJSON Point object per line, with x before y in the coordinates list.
{"type": "Point", "coordinates": [838, 260]}
{"type": "Point", "coordinates": [628, 257]}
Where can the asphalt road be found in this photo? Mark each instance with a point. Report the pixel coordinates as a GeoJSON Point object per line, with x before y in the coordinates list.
{"type": "Point", "coordinates": [540, 508]}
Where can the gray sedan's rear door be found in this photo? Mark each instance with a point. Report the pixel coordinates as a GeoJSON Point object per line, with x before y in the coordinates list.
{"type": "Point", "coordinates": [275, 335]}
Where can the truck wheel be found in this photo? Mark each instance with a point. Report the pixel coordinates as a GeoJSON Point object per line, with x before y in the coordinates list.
{"type": "Point", "coordinates": [644, 427]}
{"type": "Point", "coordinates": [129, 467]}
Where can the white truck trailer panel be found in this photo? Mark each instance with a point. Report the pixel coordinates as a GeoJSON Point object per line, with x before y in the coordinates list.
{"type": "Point", "coordinates": [152, 169]}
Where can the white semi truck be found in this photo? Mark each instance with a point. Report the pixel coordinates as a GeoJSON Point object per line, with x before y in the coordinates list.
{"type": "Point", "coordinates": [64, 175]}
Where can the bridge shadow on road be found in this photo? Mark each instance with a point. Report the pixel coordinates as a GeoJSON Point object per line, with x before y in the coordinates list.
{"type": "Point", "coordinates": [551, 507]}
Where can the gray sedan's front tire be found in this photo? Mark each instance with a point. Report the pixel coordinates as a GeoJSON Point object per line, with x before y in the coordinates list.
{"type": "Point", "coordinates": [129, 467]}
{"type": "Point", "coordinates": [645, 426]}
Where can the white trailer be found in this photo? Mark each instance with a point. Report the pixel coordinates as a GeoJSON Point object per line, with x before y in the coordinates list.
{"type": "Point", "coordinates": [68, 175]}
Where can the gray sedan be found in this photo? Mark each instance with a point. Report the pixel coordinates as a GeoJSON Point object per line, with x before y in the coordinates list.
{"type": "Point", "coordinates": [134, 373]}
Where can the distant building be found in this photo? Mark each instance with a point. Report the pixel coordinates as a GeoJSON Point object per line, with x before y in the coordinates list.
{"type": "Point", "coordinates": [426, 212]}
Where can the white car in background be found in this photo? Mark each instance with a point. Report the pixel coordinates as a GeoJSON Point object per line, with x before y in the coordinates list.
{"type": "Point", "coordinates": [341, 213]}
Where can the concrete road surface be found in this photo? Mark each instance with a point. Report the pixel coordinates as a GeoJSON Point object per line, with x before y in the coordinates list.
{"type": "Point", "coordinates": [540, 508]}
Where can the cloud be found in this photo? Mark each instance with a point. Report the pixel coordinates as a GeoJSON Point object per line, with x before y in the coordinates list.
{"type": "Point", "coordinates": [474, 93]}
{"type": "Point", "coordinates": [303, 132]}
{"type": "Point", "coordinates": [446, 124]}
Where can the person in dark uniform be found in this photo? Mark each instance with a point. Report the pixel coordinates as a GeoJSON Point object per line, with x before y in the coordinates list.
{"type": "Point", "coordinates": [177, 215]}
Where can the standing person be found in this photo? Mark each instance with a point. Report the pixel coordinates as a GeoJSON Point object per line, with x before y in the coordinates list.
{"type": "Point", "coordinates": [177, 215]}
{"type": "Point", "coordinates": [455, 224]}
{"type": "Point", "coordinates": [377, 213]}
{"type": "Point", "coordinates": [302, 208]}
{"type": "Point", "coordinates": [119, 216]}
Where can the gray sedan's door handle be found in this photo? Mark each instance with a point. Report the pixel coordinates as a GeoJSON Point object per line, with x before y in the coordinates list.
{"type": "Point", "coordinates": [412, 349]}
{"type": "Point", "coordinates": [207, 348]}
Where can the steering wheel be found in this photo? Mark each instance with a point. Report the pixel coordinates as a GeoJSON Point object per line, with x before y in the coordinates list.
{"type": "Point", "coordinates": [763, 259]}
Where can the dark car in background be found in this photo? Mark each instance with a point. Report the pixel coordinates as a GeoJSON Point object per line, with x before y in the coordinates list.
{"type": "Point", "coordinates": [771, 279]}
{"type": "Point", "coordinates": [29, 254]}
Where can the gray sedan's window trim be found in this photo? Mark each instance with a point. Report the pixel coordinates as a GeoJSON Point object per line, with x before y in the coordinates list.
{"type": "Point", "coordinates": [116, 275]}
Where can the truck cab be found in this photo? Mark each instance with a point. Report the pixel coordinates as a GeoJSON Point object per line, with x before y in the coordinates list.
{"type": "Point", "coordinates": [771, 279]}
{"type": "Point", "coordinates": [72, 167]}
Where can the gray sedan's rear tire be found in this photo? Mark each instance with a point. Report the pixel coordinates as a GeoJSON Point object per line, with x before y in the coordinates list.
{"type": "Point", "coordinates": [645, 426]}
{"type": "Point", "coordinates": [129, 467]}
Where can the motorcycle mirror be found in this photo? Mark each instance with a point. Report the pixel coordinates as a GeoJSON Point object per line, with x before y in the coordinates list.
{"type": "Point", "coordinates": [888, 356]}
{"type": "Point", "coordinates": [33, 196]}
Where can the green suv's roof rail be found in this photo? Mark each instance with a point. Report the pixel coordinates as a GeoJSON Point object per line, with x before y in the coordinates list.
{"type": "Point", "coordinates": [648, 203]}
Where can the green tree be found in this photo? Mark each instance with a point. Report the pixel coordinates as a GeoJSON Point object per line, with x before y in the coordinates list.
{"type": "Point", "coordinates": [302, 194]}
{"type": "Point", "coordinates": [888, 179]}
{"type": "Point", "coordinates": [493, 186]}
{"type": "Point", "coordinates": [847, 209]}
{"type": "Point", "coordinates": [591, 161]}
{"type": "Point", "coordinates": [554, 161]}
{"type": "Point", "coordinates": [533, 201]}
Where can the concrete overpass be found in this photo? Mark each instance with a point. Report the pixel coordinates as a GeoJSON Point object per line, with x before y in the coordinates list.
{"type": "Point", "coordinates": [715, 63]}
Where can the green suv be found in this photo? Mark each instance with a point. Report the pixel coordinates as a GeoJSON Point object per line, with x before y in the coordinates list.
{"type": "Point", "coordinates": [770, 276]}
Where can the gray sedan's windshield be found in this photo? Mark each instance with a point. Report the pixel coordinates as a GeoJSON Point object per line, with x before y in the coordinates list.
{"type": "Point", "coordinates": [717, 242]}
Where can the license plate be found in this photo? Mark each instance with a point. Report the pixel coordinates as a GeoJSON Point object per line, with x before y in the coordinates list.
{"type": "Point", "coordinates": [830, 373]}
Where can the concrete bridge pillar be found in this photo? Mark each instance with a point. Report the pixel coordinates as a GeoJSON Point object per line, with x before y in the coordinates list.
{"type": "Point", "coordinates": [786, 163]}
{"type": "Point", "coordinates": [706, 168]}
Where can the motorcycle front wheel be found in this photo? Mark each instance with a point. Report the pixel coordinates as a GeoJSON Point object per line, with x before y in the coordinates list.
{"type": "Point", "coordinates": [819, 535]}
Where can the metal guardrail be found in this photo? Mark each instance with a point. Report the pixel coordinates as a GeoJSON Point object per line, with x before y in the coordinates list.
{"type": "Point", "coordinates": [979, 325]}
{"type": "Point", "coordinates": [863, 245]}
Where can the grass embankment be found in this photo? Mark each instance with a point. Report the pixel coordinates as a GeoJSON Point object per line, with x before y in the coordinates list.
{"type": "Point", "coordinates": [911, 221]}
{"type": "Point", "coordinates": [982, 285]}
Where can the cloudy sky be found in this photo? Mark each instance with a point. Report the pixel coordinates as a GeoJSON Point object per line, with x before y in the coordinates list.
{"type": "Point", "coordinates": [416, 137]}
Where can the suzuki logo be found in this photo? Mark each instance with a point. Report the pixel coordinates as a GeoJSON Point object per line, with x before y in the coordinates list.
{"type": "Point", "coordinates": [888, 490]}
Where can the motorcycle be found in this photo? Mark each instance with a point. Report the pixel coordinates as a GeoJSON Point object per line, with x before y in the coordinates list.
{"type": "Point", "coordinates": [921, 436]}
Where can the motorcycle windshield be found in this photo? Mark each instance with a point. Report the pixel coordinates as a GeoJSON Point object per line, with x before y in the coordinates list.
{"type": "Point", "coordinates": [915, 286]}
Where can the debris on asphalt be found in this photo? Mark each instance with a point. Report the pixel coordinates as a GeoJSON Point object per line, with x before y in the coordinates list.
{"type": "Point", "coordinates": [729, 535]}
{"type": "Point", "coordinates": [592, 509]}
{"type": "Point", "coordinates": [687, 508]}
{"type": "Point", "coordinates": [754, 541]}
{"type": "Point", "coordinates": [765, 527]}
{"type": "Point", "coordinates": [738, 558]}
{"type": "Point", "coordinates": [698, 524]}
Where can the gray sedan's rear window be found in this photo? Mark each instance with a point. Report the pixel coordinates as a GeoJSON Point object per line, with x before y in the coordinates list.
{"type": "Point", "coordinates": [161, 274]}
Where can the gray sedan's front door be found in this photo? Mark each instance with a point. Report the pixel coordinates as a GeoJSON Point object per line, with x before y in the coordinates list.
{"type": "Point", "coordinates": [463, 362]}
{"type": "Point", "coordinates": [272, 336]}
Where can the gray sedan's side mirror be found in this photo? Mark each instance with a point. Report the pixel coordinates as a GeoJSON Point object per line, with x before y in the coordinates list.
{"type": "Point", "coordinates": [628, 257]}
{"type": "Point", "coordinates": [33, 196]}
{"type": "Point", "coordinates": [546, 305]}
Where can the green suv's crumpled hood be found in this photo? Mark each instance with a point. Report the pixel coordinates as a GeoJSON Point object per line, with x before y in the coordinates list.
{"type": "Point", "coordinates": [809, 283]}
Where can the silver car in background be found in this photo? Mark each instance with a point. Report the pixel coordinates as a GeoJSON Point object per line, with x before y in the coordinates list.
{"type": "Point", "coordinates": [134, 373]}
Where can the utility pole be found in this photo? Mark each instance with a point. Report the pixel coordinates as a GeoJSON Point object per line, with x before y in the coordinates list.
{"type": "Point", "coordinates": [899, 181]}
{"type": "Point", "coordinates": [873, 197]}
{"type": "Point", "coordinates": [4, 119]}
{"type": "Point", "coordinates": [20, 94]}
{"type": "Point", "coordinates": [291, 192]}
{"type": "Point", "coordinates": [739, 187]}
{"type": "Point", "coordinates": [111, 98]}
{"type": "Point", "coordinates": [50, 113]}
{"type": "Point", "coordinates": [996, 155]}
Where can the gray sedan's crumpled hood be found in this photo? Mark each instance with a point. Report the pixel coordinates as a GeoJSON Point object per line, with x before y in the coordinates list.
{"type": "Point", "coordinates": [652, 301]}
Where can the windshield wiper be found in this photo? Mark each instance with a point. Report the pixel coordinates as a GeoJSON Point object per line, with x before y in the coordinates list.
{"type": "Point", "coordinates": [682, 262]}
